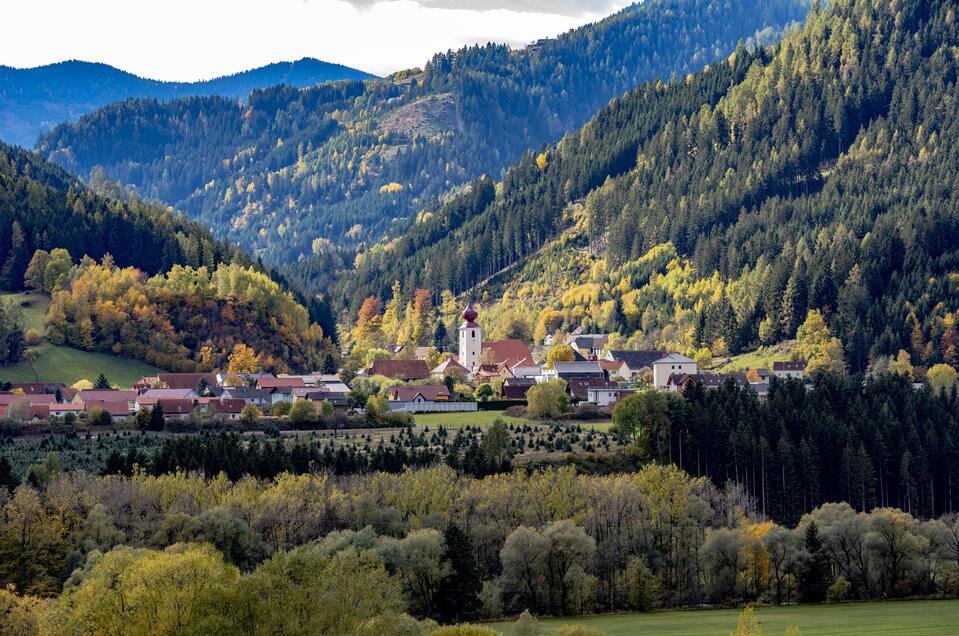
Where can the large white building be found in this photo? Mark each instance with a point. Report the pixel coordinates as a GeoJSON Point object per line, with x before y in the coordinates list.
{"type": "Point", "coordinates": [673, 363]}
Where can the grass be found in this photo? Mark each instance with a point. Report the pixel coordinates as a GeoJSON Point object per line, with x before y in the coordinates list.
{"type": "Point", "coordinates": [926, 618]}
{"type": "Point", "coordinates": [467, 418]}
{"type": "Point", "coordinates": [65, 364]}
{"type": "Point", "coordinates": [761, 357]}
{"type": "Point", "coordinates": [69, 365]}
{"type": "Point", "coordinates": [34, 307]}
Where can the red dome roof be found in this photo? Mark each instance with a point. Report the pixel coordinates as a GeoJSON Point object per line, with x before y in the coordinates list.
{"type": "Point", "coordinates": [469, 314]}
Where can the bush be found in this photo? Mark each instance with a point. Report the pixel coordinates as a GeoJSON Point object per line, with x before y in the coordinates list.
{"type": "Point", "coordinates": [33, 337]}
{"type": "Point", "coordinates": [303, 412]}
{"type": "Point", "coordinates": [838, 591]}
{"type": "Point", "coordinates": [250, 415]}
{"type": "Point", "coordinates": [280, 409]}
{"type": "Point", "coordinates": [644, 589]}
{"type": "Point", "coordinates": [548, 399]}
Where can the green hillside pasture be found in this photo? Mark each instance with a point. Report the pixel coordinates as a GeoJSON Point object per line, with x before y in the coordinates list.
{"type": "Point", "coordinates": [902, 618]}
{"type": "Point", "coordinates": [69, 365]}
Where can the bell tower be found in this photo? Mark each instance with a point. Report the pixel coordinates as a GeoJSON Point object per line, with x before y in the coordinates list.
{"type": "Point", "coordinates": [471, 339]}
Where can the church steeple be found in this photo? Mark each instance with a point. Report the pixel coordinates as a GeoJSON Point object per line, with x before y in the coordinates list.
{"type": "Point", "coordinates": [471, 339]}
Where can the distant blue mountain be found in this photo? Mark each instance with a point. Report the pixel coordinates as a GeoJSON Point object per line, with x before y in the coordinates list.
{"type": "Point", "coordinates": [33, 100]}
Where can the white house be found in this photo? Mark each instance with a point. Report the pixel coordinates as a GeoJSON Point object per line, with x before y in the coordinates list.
{"type": "Point", "coordinates": [604, 396]}
{"type": "Point", "coordinates": [673, 363]}
{"type": "Point", "coordinates": [795, 370]}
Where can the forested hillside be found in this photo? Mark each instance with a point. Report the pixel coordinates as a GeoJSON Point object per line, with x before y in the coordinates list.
{"type": "Point", "coordinates": [33, 100]}
{"type": "Point", "coordinates": [164, 291]}
{"type": "Point", "coordinates": [348, 161]}
{"type": "Point", "coordinates": [44, 207]}
{"type": "Point", "coordinates": [823, 172]}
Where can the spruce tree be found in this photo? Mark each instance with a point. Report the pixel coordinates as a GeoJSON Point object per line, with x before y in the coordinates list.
{"type": "Point", "coordinates": [458, 599]}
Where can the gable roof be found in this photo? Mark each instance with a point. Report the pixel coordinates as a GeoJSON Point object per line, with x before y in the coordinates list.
{"type": "Point", "coordinates": [245, 393]}
{"type": "Point", "coordinates": [512, 353]}
{"type": "Point", "coordinates": [789, 366]}
{"type": "Point", "coordinates": [589, 340]}
{"type": "Point", "coordinates": [708, 380]}
{"type": "Point", "coordinates": [674, 358]}
{"type": "Point", "coordinates": [449, 366]}
{"type": "Point", "coordinates": [115, 409]}
{"type": "Point", "coordinates": [401, 369]}
{"type": "Point", "coordinates": [409, 393]}
{"type": "Point", "coordinates": [106, 395]}
{"type": "Point", "coordinates": [636, 360]}
{"type": "Point", "coordinates": [40, 398]}
{"type": "Point", "coordinates": [176, 406]}
{"type": "Point", "coordinates": [167, 393]}
{"type": "Point", "coordinates": [278, 383]}
{"type": "Point", "coordinates": [186, 380]}
{"type": "Point", "coordinates": [227, 406]}
{"type": "Point", "coordinates": [578, 387]}
{"type": "Point", "coordinates": [585, 368]}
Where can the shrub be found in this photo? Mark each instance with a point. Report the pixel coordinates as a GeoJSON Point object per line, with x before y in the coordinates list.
{"type": "Point", "coordinates": [280, 409]}
{"type": "Point", "coordinates": [838, 591]}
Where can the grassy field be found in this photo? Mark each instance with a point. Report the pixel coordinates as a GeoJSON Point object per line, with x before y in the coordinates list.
{"type": "Point", "coordinates": [459, 420]}
{"type": "Point", "coordinates": [65, 364]}
{"type": "Point", "coordinates": [902, 618]}
{"type": "Point", "coordinates": [761, 357]}
{"type": "Point", "coordinates": [69, 365]}
{"type": "Point", "coordinates": [33, 305]}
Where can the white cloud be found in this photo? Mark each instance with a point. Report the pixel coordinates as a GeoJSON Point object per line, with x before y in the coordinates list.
{"type": "Point", "coordinates": [561, 7]}
{"type": "Point", "coordinates": [198, 39]}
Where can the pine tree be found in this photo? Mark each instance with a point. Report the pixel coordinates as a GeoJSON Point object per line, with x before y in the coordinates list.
{"type": "Point", "coordinates": [814, 576]}
{"type": "Point", "coordinates": [102, 383]}
{"type": "Point", "coordinates": [458, 599]}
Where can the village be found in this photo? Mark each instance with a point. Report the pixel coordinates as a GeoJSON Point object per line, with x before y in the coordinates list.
{"type": "Point", "coordinates": [496, 375]}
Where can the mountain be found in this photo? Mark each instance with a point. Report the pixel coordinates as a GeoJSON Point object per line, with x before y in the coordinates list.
{"type": "Point", "coordinates": [348, 162]}
{"type": "Point", "coordinates": [164, 291]}
{"type": "Point", "coordinates": [33, 100]}
{"type": "Point", "coordinates": [718, 209]}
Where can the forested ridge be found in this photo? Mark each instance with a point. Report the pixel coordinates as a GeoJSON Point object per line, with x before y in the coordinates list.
{"type": "Point", "coordinates": [33, 100]}
{"type": "Point", "coordinates": [347, 161]}
{"type": "Point", "coordinates": [132, 278]}
{"type": "Point", "coordinates": [821, 172]}
{"type": "Point", "coordinates": [44, 207]}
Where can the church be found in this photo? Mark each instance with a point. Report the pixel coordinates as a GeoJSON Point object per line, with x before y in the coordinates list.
{"type": "Point", "coordinates": [504, 358]}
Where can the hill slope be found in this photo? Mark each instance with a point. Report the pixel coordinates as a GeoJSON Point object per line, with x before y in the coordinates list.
{"type": "Point", "coordinates": [164, 292]}
{"type": "Point", "coordinates": [33, 100]}
{"type": "Point", "coordinates": [349, 161]}
{"type": "Point", "coordinates": [821, 175]}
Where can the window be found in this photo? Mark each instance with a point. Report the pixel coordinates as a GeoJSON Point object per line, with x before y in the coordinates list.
{"type": "Point", "coordinates": [473, 334]}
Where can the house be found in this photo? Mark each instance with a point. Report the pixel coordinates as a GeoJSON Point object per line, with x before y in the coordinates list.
{"type": "Point", "coordinates": [425, 399]}
{"type": "Point", "coordinates": [526, 370]}
{"type": "Point", "coordinates": [450, 368]}
{"type": "Point", "coordinates": [281, 394]}
{"type": "Point", "coordinates": [118, 411]}
{"type": "Point", "coordinates": [667, 366]}
{"type": "Point", "coordinates": [589, 345]}
{"type": "Point", "coordinates": [339, 400]}
{"type": "Point", "coordinates": [279, 383]}
{"type": "Point", "coordinates": [249, 395]}
{"type": "Point", "coordinates": [634, 365]}
{"type": "Point", "coordinates": [679, 382]}
{"type": "Point", "coordinates": [176, 409]}
{"type": "Point", "coordinates": [757, 375]}
{"type": "Point", "coordinates": [578, 388]}
{"type": "Point", "coordinates": [486, 372]}
{"type": "Point", "coordinates": [516, 388]}
{"type": "Point", "coordinates": [331, 382]}
{"type": "Point", "coordinates": [30, 412]}
{"type": "Point", "coordinates": [419, 394]}
{"type": "Point", "coordinates": [195, 381]}
{"type": "Point", "coordinates": [149, 398]}
{"type": "Point", "coordinates": [792, 369]}
{"type": "Point", "coordinates": [586, 369]}
{"type": "Point", "coordinates": [607, 395]}
{"type": "Point", "coordinates": [61, 410]}
{"type": "Point", "coordinates": [107, 395]}
{"type": "Point", "coordinates": [6, 399]}
{"type": "Point", "coordinates": [406, 370]}
{"type": "Point", "coordinates": [226, 410]}
{"type": "Point", "coordinates": [508, 353]}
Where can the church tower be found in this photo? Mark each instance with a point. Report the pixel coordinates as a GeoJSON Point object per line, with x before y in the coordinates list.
{"type": "Point", "coordinates": [471, 339]}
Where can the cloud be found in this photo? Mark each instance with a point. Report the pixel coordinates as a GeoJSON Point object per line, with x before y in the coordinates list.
{"type": "Point", "coordinates": [555, 7]}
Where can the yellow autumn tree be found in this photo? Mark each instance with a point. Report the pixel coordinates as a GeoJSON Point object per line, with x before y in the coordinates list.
{"type": "Point", "coordinates": [244, 359]}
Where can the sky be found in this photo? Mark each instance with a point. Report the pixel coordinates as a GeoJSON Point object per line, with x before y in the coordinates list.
{"type": "Point", "coordinates": [188, 40]}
